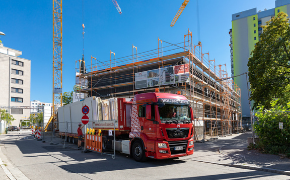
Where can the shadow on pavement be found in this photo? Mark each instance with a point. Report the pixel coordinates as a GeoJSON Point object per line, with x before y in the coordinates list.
{"type": "Point", "coordinates": [235, 149]}
{"type": "Point", "coordinates": [240, 175]}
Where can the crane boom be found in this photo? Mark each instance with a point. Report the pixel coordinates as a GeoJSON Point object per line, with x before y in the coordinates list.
{"type": "Point", "coordinates": [117, 6]}
{"type": "Point", "coordinates": [183, 5]}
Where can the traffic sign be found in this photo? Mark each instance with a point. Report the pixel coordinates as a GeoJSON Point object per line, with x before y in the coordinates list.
{"type": "Point", "coordinates": [85, 109]}
{"type": "Point", "coordinates": [85, 119]}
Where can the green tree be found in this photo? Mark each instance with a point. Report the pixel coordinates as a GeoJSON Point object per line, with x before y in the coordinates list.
{"type": "Point", "coordinates": [32, 119]}
{"type": "Point", "coordinates": [39, 118]}
{"type": "Point", "coordinates": [67, 97]}
{"type": "Point", "coordinates": [272, 139]}
{"type": "Point", "coordinates": [36, 118]}
{"type": "Point", "coordinates": [269, 66]}
{"type": "Point", "coordinates": [6, 116]}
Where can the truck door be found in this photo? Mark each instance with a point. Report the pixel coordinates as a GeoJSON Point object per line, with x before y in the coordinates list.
{"type": "Point", "coordinates": [150, 123]}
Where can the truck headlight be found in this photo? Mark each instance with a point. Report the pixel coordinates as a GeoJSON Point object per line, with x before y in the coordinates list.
{"type": "Point", "coordinates": [190, 143]}
{"type": "Point", "coordinates": [162, 145]}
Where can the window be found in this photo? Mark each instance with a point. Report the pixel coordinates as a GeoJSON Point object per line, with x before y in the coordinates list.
{"type": "Point", "coordinates": [254, 31]}
{"type": "Point", "coordinates": [16, 99]}
{"type": "Point", "coordinates": [237, 15]}
{"type": "Point", "coordinates": [254, 38]}
{"type": "Point", "coordinates": [18, 72]}
{"type": "Point", "coordinates": [16, 111]}
{"type": "Point", "coordinates": [16, 81]}
{"type": "Point", "coordinates": [32, 103]}
{"type": "Point", "coordinates": [254, 18]}
{"type": "Point", "coordinates": [278, 10]}
{"type": "Point", "coordinates": [254, 25]}
{"type": "Point", "coordinates": [142, 111]}
{"type": "Point", "coordinates": [260, 22]}
{"type": "Point", "coordinates": [260, 28]}
{"type": "Point", "coordinates": [16, 90]}
{"type": "Point", "coordinates": [18, 63]}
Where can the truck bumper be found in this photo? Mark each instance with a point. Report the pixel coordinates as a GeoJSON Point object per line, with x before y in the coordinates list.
{"type": "Point", "coordinates": [165, 153]}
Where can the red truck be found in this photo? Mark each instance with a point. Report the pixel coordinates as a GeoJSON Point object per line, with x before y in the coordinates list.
{"type": "Point", "coordinates": [154, 125]}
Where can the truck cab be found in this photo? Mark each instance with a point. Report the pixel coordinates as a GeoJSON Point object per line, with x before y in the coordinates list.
{"type": "Point", "coordinates": [161, 126]}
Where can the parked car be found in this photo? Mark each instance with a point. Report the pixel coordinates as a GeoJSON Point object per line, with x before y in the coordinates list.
{"type": "Point", "coordinates": [13, 128]}
{"type": "Point", "coordinates": [247, 127]}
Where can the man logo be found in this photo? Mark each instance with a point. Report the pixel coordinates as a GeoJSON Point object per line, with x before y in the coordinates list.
{"type": "Point", "coordinates": [178, 125]}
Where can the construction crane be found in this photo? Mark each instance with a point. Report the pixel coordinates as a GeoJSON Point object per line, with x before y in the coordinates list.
{"type": "Point", "coordinates": [57, 57]}
{"type": "Point", "coordinates": [183, 5]}
{"type": "Point", "coordinates": [117, 6]}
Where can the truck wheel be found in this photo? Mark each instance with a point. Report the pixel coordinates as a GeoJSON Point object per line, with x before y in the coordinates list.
{"type": "Point", "coordinates": [138, 152]}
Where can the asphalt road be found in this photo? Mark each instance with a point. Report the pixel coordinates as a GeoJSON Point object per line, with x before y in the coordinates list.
{"type": "Point", "coordinates": [26, 158]}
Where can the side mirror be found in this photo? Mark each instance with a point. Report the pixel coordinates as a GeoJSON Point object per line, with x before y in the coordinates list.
{"type": "Point", "coordinates": [191, 113]}
{"type": "Point", "coordinates": [160, 104]}
{"type": "Point", "coordinates": [148, 112]}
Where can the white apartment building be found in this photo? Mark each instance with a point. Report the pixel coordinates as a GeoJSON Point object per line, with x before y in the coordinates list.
{"type": "Point", "coordinates": [37, 106]}
{"type": "Point", "coordinates": [15, 76]}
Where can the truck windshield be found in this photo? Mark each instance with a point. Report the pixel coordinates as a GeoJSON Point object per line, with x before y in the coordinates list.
{"type": "Point", "coordinates": [171, 113]}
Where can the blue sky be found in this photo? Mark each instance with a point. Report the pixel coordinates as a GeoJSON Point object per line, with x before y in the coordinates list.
{"type": "Point", "coordinates": [28, 28]}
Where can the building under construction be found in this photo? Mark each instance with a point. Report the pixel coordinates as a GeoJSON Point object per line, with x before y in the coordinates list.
{"type": "Point", "coordinates": [172, 68]}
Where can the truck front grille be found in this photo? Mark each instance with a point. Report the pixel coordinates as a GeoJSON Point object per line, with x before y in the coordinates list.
{"type": "Point", "coordinates": [173, 144]}
{"type": "Point", "coordinates": [177, 132]}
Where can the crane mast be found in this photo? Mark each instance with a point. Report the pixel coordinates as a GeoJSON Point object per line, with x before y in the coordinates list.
{"type": "Point", "coordinates": [57, 56]}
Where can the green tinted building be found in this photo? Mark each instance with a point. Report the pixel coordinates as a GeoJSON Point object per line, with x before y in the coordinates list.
{"type": "Point", "coordinates": [245, 32]}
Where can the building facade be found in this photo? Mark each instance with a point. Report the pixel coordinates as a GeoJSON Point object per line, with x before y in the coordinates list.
{"type": "Point", "coordinates": [15, 75]}
{"type": "Point", "coordinates": [37, 106]}
{"type": "Point", "coordinates": [245, 33]}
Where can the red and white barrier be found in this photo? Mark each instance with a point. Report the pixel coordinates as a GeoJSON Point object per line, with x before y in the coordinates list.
{"type": "Point", "coordinates": [39, 134]}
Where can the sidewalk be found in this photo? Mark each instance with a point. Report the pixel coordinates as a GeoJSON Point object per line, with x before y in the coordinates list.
{"type": "Point", "coordinates": [232, 151]}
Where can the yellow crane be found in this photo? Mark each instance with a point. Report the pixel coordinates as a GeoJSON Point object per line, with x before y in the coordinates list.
{"type": "Point", "coordinates": [183, 5]}
{"type": "Point", "coordinates": [57, 56]}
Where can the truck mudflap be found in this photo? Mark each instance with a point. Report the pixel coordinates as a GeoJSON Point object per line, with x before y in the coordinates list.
{"type": "Point", "coordinates": [172, 149]}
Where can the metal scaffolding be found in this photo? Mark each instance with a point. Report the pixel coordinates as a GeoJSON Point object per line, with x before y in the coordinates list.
{"type": "Point", "coordinates": [215, 98]}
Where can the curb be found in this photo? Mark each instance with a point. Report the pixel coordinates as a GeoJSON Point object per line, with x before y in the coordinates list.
{"type": "Point", "coordinates": [249, 167]}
